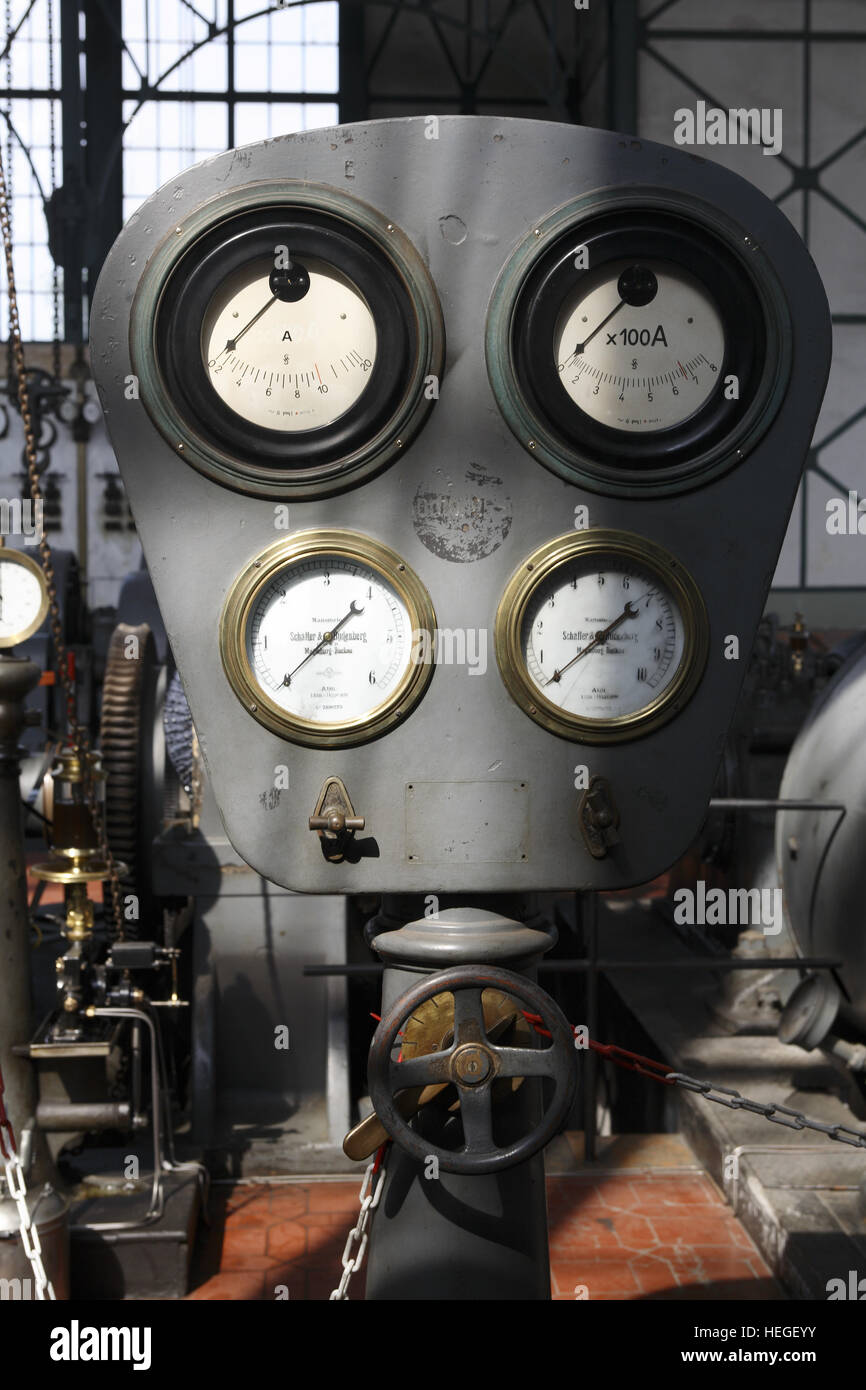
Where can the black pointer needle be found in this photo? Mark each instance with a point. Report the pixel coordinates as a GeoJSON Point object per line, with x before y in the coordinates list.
{"type": "Point", "coordinates": [628, 612]}
{"type": "Point", "coordinates": [581, 347]}
{"type": "Point", "coordinates": [638, 286]}
{"type": "Point", "coordinates": [233, 342]}
{"type": "Point", "coordinates": [328, 637]}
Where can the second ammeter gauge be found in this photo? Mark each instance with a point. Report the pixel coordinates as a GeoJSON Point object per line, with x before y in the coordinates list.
{"type": "Point", "coordinates": [325, 638]}
{"type": "Point", "coordinates": [637, 343]}
{"type": "Point", "coordinates": [601, 636]}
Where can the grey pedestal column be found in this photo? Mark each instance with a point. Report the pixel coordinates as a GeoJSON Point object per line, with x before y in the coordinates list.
{"type": "Point", "coordinates": [460, 1237]}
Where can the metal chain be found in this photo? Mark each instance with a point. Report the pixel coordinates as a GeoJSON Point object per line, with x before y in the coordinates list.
{"type": "Point", "coordinates": [18, 1192]}
{"type": "Point", "coordinates": [57, 365]}
{"type": "Point", "coordinates": [369, 1199]}
{"type": "Point", "coordinates": [78, 734]}
{"type": "Point", "coordinates": [732, 1100]}
{"type": "Point", "coordinates": [630, 1061]}
{"type": "Point", "coordinates": [9, 165]}
{"type": "Point", "coordinates": [773, 1113]}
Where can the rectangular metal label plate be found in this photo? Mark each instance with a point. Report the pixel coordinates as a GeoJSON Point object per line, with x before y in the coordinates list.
{"type": "Point", "coordinates": [467, 822]}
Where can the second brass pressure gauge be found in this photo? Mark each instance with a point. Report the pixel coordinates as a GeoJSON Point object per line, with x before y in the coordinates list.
{"type": "Point", "coordinates": [601, 636]}
{"type": "Point", "coordinates": [23, 597]}
{"type": "Point", "coordinates": [323, 640]}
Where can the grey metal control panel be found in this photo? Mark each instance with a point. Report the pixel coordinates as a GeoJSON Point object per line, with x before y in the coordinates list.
{"type": "Point", "coordinates": [461, 451]}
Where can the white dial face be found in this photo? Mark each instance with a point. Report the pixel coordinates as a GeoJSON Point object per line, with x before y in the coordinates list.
{"type": "Point", "coordinates": [289, 364]}
{"type": "Point", "coordinates": [602, 637]}
{"type": "Point", "coordinates": [639, 346]}
{"type": "Point", "coordinates": [329, 639]}
{"type": "Point", "coordinates": [20, 598]}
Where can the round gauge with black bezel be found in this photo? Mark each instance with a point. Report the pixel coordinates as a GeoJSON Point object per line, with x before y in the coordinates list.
{"type": "Point", "coordinates": [601, 636]}
{"type": "Point", "coordinates": [321, 638]}
{"type": "Point", "coordinates": [283, 338]}
{"type": "Point", "coordinates": [638, 345]}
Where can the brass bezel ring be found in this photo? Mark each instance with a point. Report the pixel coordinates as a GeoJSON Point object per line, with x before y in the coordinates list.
{"type": "Point", "coordinates": [240, 603]}
{"type": "Point", "coordinates": [535, 570]}
{"type": "Point", "coordinates": [17, 557]}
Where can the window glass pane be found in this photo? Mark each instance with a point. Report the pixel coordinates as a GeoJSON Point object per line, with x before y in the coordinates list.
{"type": "Point", "coordinates": [169, 48]}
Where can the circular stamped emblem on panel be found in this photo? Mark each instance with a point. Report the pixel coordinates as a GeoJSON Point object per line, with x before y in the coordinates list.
{"type": "Point", "coordinates": [462, 516]}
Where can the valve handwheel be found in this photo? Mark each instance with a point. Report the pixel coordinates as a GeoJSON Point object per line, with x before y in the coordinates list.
{"type": "Point", "coordinates": [471, 1064]}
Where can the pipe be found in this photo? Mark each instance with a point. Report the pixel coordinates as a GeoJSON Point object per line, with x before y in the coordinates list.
{"type": "Point", "coordinates": [59, 1116]}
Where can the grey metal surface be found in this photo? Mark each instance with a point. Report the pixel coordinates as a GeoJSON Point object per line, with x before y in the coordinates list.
{"type": "Point", "coordinates": [466, 200]}
{"type": "Point", "coordinates": [820, 853]}
{"type": "Point", "coordinates": [461, 936]}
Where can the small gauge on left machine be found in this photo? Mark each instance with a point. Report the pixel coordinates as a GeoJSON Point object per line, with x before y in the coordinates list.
{"type": "Point", "coordinates": [23, 597]}
{"type": "Point", "coordinates": [284, 340]}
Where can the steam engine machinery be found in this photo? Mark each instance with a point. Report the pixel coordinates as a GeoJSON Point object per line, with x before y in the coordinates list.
{"type": "Point", "coordinates": [461, 452]}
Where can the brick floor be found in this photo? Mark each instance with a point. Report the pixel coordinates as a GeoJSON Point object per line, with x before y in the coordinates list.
{"type": "Point", "coordinates": [613, 1235]}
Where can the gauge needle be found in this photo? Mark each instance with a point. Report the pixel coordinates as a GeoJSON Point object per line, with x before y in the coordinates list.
{"type": "Point", "coordinates": [630, 611]}
{"type": "Point", "coordinates": [328, 637]}
{"type": "Point", "coordinates": [582, 346]}
{"type": "Point", "coordinates": [233, 342]}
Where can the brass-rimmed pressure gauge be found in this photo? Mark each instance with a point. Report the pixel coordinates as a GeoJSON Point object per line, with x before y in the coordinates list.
{"type": "Point", "coordinates": [23, 597]}
{"type": "Point", "coordinates": [601, 636]}
{"type": "Point", "coordinates": [327, 638]}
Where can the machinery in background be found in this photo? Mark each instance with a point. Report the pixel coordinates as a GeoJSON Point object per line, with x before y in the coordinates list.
{"type": "Point", "coordinates": [819, 847]}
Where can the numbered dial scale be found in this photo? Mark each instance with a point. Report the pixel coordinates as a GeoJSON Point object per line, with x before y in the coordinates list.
{"type": "Point", "coordinates": [601, 636]}
{"type": "Point", "coordinates": [23, 597]}
{"type": "Point", "coordinates": [320, 638]}
{"type": "Point", "coordinates": [283, 339]}
{"type": "Point", "coordinates": [638, 348]}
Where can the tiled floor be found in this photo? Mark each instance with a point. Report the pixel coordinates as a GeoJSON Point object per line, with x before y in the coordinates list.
{"type": "Point", "coordinates": [652, 1226]}
{"type": "Point", "coordinates": [639, 1235]}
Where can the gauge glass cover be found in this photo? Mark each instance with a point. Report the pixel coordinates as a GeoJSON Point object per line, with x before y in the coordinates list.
{"type": "Point", "coordinates": [601, 636]}
{"type": "Point", "coordinates": [329, 640]}
{"type": "Point", "coordinates": [640, 367]}
{"type": "Point", "coordinates": [323, 638]}
{"type": "Point", "coordinates": [23, 597]}
{"type": "Point", "coordinates": [580, 669]}
{"type": "Point", "coordinates": [289, 364]}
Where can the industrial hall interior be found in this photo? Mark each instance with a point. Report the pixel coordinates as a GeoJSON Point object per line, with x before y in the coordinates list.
{"type": "Point", "coordinates": [433, 658]}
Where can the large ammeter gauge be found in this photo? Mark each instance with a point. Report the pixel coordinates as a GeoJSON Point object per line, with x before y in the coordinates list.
{"type": "Point", "coordinates": [323, 638]}
{"type": "Point", "coordinates": [601, 636]}
{"type": "Point", "coordinates": [639, 346]}
{"type": "Point", "coordinates": [283, 340]}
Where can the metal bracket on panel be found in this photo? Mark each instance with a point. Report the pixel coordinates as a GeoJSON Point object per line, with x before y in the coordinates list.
{"type": "Point", "coordinates": [335, 820]}
{"type": "Point", "coordinates": [599, 817]}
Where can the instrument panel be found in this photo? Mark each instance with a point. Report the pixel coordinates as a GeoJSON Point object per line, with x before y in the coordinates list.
{"type": "Point", "coordinates": [460, 585]}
